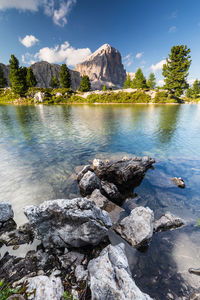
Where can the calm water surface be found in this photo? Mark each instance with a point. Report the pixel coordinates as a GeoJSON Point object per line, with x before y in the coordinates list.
{"type": "Point", "coordinates": [40, 146]}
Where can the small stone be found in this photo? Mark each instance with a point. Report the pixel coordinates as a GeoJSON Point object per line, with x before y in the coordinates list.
{"type": "Point", "coordinates": [88, 183]}
{"type": "Point", "coordinates": [80, 273]}
{"type": "Point", "coordinates": [6, 212]}
{"type": "Point", "coordinates": [167, 221]}
{"type": "Point", "coordinates": [179, 182]}
{"type": "Point", "coordinates": [111, 191]}
{"type": "Point", "coordinates": [100, 200]}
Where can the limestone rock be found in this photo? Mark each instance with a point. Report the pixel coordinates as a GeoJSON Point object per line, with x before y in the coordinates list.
{"type": "Point", "coordinates": [6, 212]}
{"type": "Point", "coordinates": [178, 181]}
{"type": "Point", "coordinates": [126, 173]}
{"type": "Point", "coordinates": [137, 228]}
{"type": "Point", "coordinates": [88, 183]}
{"type": "Point", "coordinates": [84, 170]}
{"type": "Point", "coordinates": [100, 200]}
{"type": "Point", "coordinates": [44, 71]}
{"type": "Point", "coordinates": [80, 273]}
{"type": "Point", "coordinates": [104, 66]}
{"type": "Point", "coordinates": [110, 276]}
{"type": "Point", "coordinates": [39, 97]}
{"type": "Point", "coordinates": [64, 223]}
{"type": "Point", "coordinates": [24, 234]}
{"type": "Point", "coordinates": [111, 191]}
{"type": "Point", "coordinates": [167, 221]}
{"type": "Point", "coordinates": [48, 288]}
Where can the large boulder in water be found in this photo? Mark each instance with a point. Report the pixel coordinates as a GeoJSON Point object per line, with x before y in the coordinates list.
{"type": "Point", "coordinates": [125, 173]}
{"type": "Point", "coordinates": [137, 229]}
{"type": "Point", "coordinates": [64, 223]}
{"type": "Point", "coordinates": [110, 276]}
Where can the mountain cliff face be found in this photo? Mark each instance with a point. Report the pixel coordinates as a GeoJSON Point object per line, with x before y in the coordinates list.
{"type": "Point", "coordinates": [104, 66]}
{"type": "Point", "coordinates": [44, 71]}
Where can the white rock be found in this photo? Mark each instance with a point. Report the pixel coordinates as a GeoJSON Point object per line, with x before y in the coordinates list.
{"type": "Point", "coordinates": [88, 183]}
{"type": "Point", "coordinates": [39, 97]}
{"type": "Point", "coordinates": [47, 288]}
{"type": "Point", "coordinates": [137, 229]}
{"type": "Point", "coordinates": [80, 273]}
{"type": "Point", "coordinates": [110, 277]}
{"type": "Point", "coordinates": [100, 200]}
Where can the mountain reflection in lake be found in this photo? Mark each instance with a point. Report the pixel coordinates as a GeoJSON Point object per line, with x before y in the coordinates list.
{"type": "Point", "coordinates": [40, 147]}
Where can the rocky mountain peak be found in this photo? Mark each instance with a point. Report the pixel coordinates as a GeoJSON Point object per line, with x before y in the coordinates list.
{"type": "Point", "coordinates": [104, 66]}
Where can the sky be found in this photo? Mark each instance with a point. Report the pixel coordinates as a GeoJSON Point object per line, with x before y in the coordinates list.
{"type": "Point", "coordinates": [67, 31]}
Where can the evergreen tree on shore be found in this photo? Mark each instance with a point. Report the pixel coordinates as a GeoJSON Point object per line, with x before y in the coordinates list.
{"type": "Point", "coordinates": [30, 78]}
{"type": "Point", "coordinates": [194, 91]}
{"type": "Point", "coordinates": [176, 69]}
{"type": "Point", "coordinates": [151, 83]}
{"type": "Point", "coordinates": [3, 81]}
{"type": "Point", "coordinates": [65, 77]}
{"type": "Point", "coordinates": [127, 82]}
{"type": "Point", "coordinates": [17, 77]}
{"type": "Point", "coordinates": [85, 85]}
{"type": "Point", "coordinates": [54, 82]}
{"type": "Point", "coordinates": [139, 81]}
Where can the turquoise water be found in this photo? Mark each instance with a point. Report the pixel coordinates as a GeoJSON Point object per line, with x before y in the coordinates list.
{"type": "Point", "coordinates": [40, 146]}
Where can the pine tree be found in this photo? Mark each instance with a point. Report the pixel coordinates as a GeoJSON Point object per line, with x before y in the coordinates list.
{"type": "Point", "coordinates": [85, 85]}
{"type": "Point", "coordinates": [139, 81]}
{"type": "Point", "coordinates": [65, 77]}
{"type": "Point", "coordinates": [3, 81]}
{"type": "Point", "coordinates": [17, 77]}
{"type": "Point", "coordinates": [127, 82]}
{"type": "Point", "coordinates": [189, 93]}
{"type": "Point", "coordinates": [176, 69]}
{"type": "Point", "coordinates": [196, 89]}
{"type": "Point", "coordinates": [30, 78]}
{"type": "Point", "coordinates": [104, 88]}
{"type": "Point", "coordinates": [151, 83]}
{"type": "Point", "coordinates": [54, 82]}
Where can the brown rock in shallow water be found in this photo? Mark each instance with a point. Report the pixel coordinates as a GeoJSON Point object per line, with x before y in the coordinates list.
{"type": "Point", "coordinates": [178, 181]}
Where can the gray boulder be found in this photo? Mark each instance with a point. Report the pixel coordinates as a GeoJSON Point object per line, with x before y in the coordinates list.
{"type": "Point", "coordinates": [6, 212]}
{"type": "Point", "coordinates": [137, 228]}
{"type": "Point", "coordinates": [167, 221]}
{"type": "Point", "coordinates": [64, 223]}
{"type": "Point", "coordinates": [84, 170]}
{"type": "Point", "coordinates": [111, 191]}
{"type": "Point", "coordinates": [125, 173]}
{"type": "Point", "coordinates": [88, 183]}
{"type": "Point", "coordinates": [48, 288]}
{"type": "Point", "coordinates": [110, 277]}
{"type": "Point", "coordinates": [6, 218]}
{"type": "Point", "coordinates": [100, 200]}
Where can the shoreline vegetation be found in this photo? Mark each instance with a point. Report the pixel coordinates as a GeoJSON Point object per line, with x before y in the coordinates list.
{"type": "Point", "coordinates": [37, 95]}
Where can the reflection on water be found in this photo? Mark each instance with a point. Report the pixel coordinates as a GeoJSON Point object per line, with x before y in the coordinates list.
{"type": "Point", "coordinates": [40, 147]}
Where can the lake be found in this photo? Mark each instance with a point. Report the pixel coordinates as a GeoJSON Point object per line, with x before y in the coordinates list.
{"type": "Point", "coordinates": [40, 147]}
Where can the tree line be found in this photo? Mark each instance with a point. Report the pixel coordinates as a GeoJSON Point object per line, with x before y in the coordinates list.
{"type": "Point", "coordinates": [175, 72]}
{"type": "Point", "coordinates": [22, 78]}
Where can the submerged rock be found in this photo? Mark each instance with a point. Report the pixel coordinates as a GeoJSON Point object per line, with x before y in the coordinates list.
{"type": "Point", "coordinates": [88, 183]}
{"type": "Point", "coordinates": [167, 221]}
{"type": "Point", "coordinates": [64, 223]}
{"type": "Point", "coordinates": [48, 288]}
{"type": "Point", "coordinates": [110, 276]}
{"type": "Point", "coordinates": [6, 217]}
{"type": "Point", "coordinates": [179, 182]}
{"type": "Point", "coordinates": [137, 228]}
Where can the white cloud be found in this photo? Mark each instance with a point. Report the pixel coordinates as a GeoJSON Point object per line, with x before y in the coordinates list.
{"type": "Point", "coordinates": [59, 15]}
{"type": "Point", "coordinates": [57, 9]}
{"type": "Point", "coordinates": [161, 82]}
{"type": "Point", "coordinates": [29, 41]}
{"type": "Point", "coordinates": [139, 55]}
{"type": "Point", "coordinates": [158, 66]}
{"type": "Point", "coordinates": [19, 4]}
{"type": "Point", "coordinates": [28, 59]}
{"type": "Point", "coordinates": [128, 60]}
{"type": "Point", "coordinates": [59, 54]}
{"type": "Point", "coordinates": [172, 29]}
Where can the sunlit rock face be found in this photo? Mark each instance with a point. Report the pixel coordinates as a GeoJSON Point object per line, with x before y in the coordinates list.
{"type": "Point", "coordinates": [104, 66]}
{"type": "Point", "coordinates": [44, 71]}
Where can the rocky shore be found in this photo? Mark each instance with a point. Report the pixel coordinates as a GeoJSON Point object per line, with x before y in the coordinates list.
{"type": "Point", "coordinates": [74, 258]}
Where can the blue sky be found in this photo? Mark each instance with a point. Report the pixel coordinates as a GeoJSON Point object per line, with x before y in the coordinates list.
{"type": "Point", "coordinates": [69, 30]}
